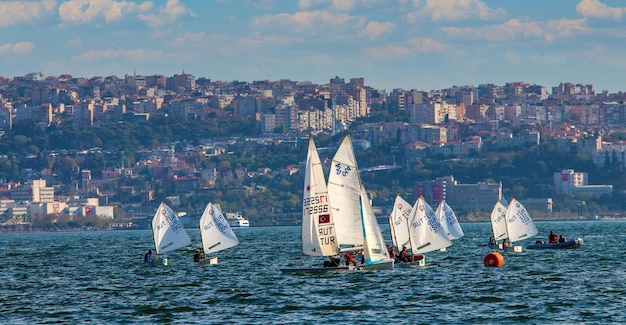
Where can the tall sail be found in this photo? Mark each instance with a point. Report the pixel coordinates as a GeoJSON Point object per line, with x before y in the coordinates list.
{"type": "Point", "coordinates": [168, 231]}
{"type": "Point", "coordinates": [318, 229]}
{"type": "Point", "coordinates": [498, 223]}
{"type": "Point", "coordinates": [448, 221]}
{"type": "Point", "coordinates": [519, 225]}
{"type": "Point", "coordinates": [215, 232]}
{"type": "Point", "coordinates": [344, 192]}
{"type": "Point", "coordinates": [374, 248]}
{"type": "Point", "coordinates": [399, 222]}
{"type": "Point", "coordinates": [427, 234]}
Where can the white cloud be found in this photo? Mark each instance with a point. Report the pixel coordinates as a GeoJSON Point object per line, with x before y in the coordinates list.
{"type": "Point", "coordinates": [15, 12]}
{"type": "Point", "coordinates": [427, 45]}
{"type": "Point", "coordinates": [374, 29]}
{"type": "Point", "coordinates": [85, 11]}
{"type": "Point", "coordinates": [189, 39]}
{"type": "Point", "coordinates": [137, 55]}
{"type": "Point", "coordinates": [597, 9]}
{"type": "Point", "coordinates": [514, 28]}
{"type": "Point", "coordinates": [307, 21]}
{"type": "Point", "coordinates": [172, 12]}
{"type": "Point", "coordinates": [345, 5]}
{"type": "Point", "coordinates": [414, 46]}
{"type": "Point", "coordinates": [454, 10]}
{"type": "Point", "coordinates": [17, 48]}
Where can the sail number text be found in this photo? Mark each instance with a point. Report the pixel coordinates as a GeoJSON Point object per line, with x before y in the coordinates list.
{"type": "Point", "coordinates": [316, 204]}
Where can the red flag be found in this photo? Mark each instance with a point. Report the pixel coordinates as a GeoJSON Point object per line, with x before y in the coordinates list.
{"type": "Point", "coordinates": [324, 218]}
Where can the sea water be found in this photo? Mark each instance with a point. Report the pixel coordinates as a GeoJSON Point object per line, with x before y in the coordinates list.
{"type": "Point", "coordinates": [100, 278]}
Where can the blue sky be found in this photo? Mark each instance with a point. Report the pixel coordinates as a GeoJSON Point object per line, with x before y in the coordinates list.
{"type": "Point", "coordinates": [410, 44]}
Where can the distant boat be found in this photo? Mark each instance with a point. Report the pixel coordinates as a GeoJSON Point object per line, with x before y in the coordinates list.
{"type": "Point", "coordinates": [169, 233]}
{"type": "Point", "coordinates": [519, 225]}
{"type": "Point", "coordinates": [236, 220]}
{"type": "Point", "coordinates": [426, 232]}
{"type": "Point", "coordinates": [572, 243]}
{"type": "Point", "coordinates": [215, 233]}
{"type": "Point", "coordinates": [447, 219]}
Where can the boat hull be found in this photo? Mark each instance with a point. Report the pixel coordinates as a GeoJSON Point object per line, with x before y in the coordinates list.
{"type": "Point", "coordinates": [419, 260]}
{"type": "Point", "coordinates": [316, 269]}
{"type": "Point", "coordinates": [573, 243]}
{"type": "Point", "coordinates": [382, 265]}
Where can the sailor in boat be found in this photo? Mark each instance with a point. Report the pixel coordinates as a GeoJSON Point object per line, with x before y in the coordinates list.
{"type": "Point", "coordinates": [492, 242]}
{"type": "Point", "coordinates": [392, 252]}
{"type": "Point", "coordinates": [505, 243]}
{"type": "Point", "coordinates": [350, 258]}
{"type": "Point", "coordinates": [553, 238]}
{"type": "Point", "coordinates": [148, 257]}
{"type": "Point", "coordinates": [197, 257]}
{"type": "Point", "coordinates": [404, 256]}
{"type": "Point", "coordinates": [562, 239]}
{"type": "Point", "coordinates": [333, 261]}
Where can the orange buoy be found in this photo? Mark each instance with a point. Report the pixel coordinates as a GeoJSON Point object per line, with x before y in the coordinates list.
{"type": "Point", "coordinates": [493, 259]}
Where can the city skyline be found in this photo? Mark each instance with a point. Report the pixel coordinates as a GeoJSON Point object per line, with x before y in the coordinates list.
{"type": "Point", "coordinates": [428, 44]}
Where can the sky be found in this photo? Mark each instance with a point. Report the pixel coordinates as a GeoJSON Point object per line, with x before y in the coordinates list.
{"type": "Point", "coordinates": [408, 44]}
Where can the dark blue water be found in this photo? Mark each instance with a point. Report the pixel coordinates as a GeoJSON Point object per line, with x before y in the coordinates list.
{"type": "Point", "coordinates": [99, 277]}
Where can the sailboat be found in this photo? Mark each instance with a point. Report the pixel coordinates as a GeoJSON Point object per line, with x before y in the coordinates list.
{"type": "Point", "coordinates": [519, 225]}
{"type": "Point", "coordinates": [448, 220]}
{"type": "Point", "coordinates": [399, 223]}
{"type": "Point", "coordinates": [355, 222]}
{"type": "Point", "coordinates": [215, 232]}
{"type": "Point", "coordinates": [399, 227]}
{"type": "Point", "coordinates": [168, 232]}
{"type": "Point", "coordinates": [426, 232]}
{"type": "Point", "coordinates": [498, 223]}
{"type": "Point", "coordinates": [319, 236]}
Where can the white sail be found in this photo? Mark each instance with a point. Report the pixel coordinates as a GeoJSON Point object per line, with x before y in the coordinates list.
{"type": "Point", "coordinates": [427, 234]}
{"type": "Point", "coordinates": [168, 231]}
{"type": "Point", "coordinates": [318, 229]}
{"type": "Point", "coordinates": [448, 221]}
{"type": "Point", "coordinates": [344, 190]}
{"type": "Point", "coordinates": [374, 248]}
{"type": "Point", "coordinates": [399, 222]}
{"type": "Point", "coordinates": [519, 225]}
{"type": "Point", "coordinates": [355, 221]}
{"type": "Point", "coordinates": [498, 223]}
{"type": "Point", "coordinates": [215, 232]}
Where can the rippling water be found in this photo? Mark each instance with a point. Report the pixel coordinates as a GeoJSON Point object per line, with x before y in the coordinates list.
{"type": "Point", "coordinates": [100, 277]}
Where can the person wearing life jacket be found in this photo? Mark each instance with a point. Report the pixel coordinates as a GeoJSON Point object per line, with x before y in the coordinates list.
{"type": "Point", "coordinates": [553, 238]}
{"type": "Point", "coordinates": [349, 258]}
{"type": "Point", "coordinates": [148, 257]}
{"type": "Point", "coordinates": [404, 256]}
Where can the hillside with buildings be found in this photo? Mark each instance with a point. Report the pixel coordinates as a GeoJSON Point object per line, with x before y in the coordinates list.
{"type": "Point", "coordinates": [114, 147]}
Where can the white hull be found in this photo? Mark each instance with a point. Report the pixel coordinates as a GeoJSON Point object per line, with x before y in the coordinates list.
{"type": "Point", "coordinates": [238, 221]}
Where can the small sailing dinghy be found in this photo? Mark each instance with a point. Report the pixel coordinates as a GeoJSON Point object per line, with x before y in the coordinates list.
{"type": "Point", "coordinates": [519, 225]}
{"type": "Point", "coordinates": [400, 235]}
{"type": "Point", "coordinates": [215, 233]}
{"type": "Point", "coordinates": [318, 226]}
{"type": "Point", "coordinates": [426, 232]}
{"type": "Point", "coordinates": [498, 223]}
{"type": "Point", "coordinates": [338, 216]}
{"type": "Point", "coordinates": [168, 232]}
{"type": "Point", "coordinates": [448, 220]}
